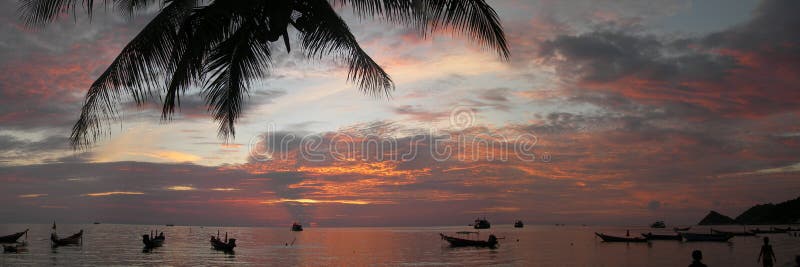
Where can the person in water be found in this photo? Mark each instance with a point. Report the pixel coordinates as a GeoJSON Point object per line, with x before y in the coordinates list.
{"type": "Point", "coordinates": [697, 258]}
{"type": "Point", "coordinates": [766, 254]}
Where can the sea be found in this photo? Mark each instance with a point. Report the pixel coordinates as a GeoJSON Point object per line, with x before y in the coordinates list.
{"type": "Point", "coordinates": [533, 245]}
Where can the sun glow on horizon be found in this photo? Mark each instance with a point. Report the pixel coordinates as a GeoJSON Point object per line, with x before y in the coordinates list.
{"type": "Point", "coordinates": [314, 201]}
{"type": "Point", "coordinates": [105, 194]}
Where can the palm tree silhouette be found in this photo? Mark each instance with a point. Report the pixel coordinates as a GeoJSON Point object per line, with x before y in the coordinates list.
{"type": "Point", "coordinates": [223, 45]}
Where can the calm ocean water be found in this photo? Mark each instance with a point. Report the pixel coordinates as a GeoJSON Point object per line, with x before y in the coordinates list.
{"type": "Point", "coordinates": [120, 245]}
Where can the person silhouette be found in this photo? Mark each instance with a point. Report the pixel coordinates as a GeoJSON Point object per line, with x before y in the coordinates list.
{"type": "Point", "coordinates": [797, 260]}
{"type": "Point", "coordinates": [766, 254]}
{"type": "Point", "coordinates": [697, 257]}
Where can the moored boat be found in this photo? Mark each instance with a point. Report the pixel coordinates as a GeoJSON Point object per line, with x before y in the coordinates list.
{"type": "Point", "coordinates": [611, 238]}
{"type": "Point", "coordinates": [224, 245]}
{"type": "Point", "coordinates": [720, 232]}
{"type": "Point", "coordinates": [297, 227]}
{"type": "Point", "coordinates": [787, 229]}
{"type": "Point", "coordinates": [153, 242]}
{"type": "Point", "coordinates": [482, 223]}
{"type": "Point", "coordinates": [771, 231]}
{"type": "Point", "coordinates": [518, 224]}
{"type": "Point", "coordinates": [693, 237]}
{"type": "Point", "coordinates": [678, 229]}
{"type": "Point", "coordinates": [658, 224]}
{"type": "Point", "coordinates": [461, 242]}
{"type": "Point", "coordinates": [70, 240]}
{"type": "Point", "coordinates": [651, 236]}
{"type": "Point", "coordinates": [12, 238]}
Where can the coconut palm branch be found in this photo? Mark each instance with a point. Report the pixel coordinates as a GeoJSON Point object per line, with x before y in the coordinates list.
{"type": "Point", "coordinates": [222, 46]}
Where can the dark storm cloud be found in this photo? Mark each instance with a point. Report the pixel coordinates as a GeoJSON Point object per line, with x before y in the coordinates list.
{"type": "Point", "coordinates": [774, 23]}
{"type": "Point", "coordinates": [743, 71]}
{"type": "Point", "coordinates": [609, 56]}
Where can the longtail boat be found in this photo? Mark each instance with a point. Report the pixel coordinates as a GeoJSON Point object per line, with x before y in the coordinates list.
{"type": "Point", "coordinates": [153, 242]}
{"type": "Point", "coordinates": [787, 229]}
{"type": "Point", "coordinates": [678, 229]}
{"type": "Point", "coordinates": [771, 231]}
{"type": "Point", "coordinates": [693, 237]}
{"type": "Point", "coordinates": [719, 232]}
{"type": "Point", "coordinates": [651, 236]}
{"type": "Point", "coordinates": [611, 238]}
{"type": "Point", "coordinates": [226, 245]}
{"type": "Point", "coordinates": [70, 240]}
{"type": "Point", "coordinates": [518, 224]}
{"type": "Point", "coordinates": [461, 242]}
{"type": "Point", "coordinates": [12, 238]}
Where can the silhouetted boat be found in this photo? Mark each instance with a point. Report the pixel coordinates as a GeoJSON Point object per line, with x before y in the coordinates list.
{"type": "Point", "coordinates": [678, 229]}
{"type": "Point", "coordinates": [518, 224]}
{"type": "Point", "coordinates": [732, 233]}
{"type": "Point", "coordinates": [651, 236]}
{"type": "Point", "coordinates": [658, 224]}
{"type": "Point", "coordinates": [297, 227]}
{"type": "Point", "coordinates": [692, 237]}
{"type": "Point", "coordinates": [12, 238]}
{"type": "Point", "coordinates": [170, 225]}
{"type": "Point", "coordinates": [96, 223]}
{"type": "Point", "coordinates": [226, 245]}
{"type": "Point", "coordinates": [482, 224]}
{"type": "Point", "coordinates": [153, 242]}
{"type": "Point", "coordinates": [70, 240]}
{"type": "Point", "coordinates": [611, 238]}
{"type": "Point", "coordinates": [786, 229]}
{"type": "Point", "coordinates": [771, 231]}
{"type": "Point", "coordinates": [461, 242]}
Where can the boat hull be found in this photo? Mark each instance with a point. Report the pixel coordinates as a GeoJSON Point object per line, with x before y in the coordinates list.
{"type": "Point", "coordinates": [693, 237]}
{"type": "Point", "coordinates": [610, 238]}
{"type": "Point", "coordinates": [153, 242]}
{"type": "Point", "coordinates": [219, 245]}
{"type": "Point", "coordinates": [12, 238]}
{"type": "Point", "coordinates": [71, 240]}
{"type": "Point", "coordinates": [650, 236]}
{"type": "Point", "coordinates": [732, 233]}
{"type": "Point", "coordinates": [461, 242]}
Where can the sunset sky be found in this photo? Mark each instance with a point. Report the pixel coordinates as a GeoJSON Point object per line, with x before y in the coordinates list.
{"type": "Point", "coordinates": [640, 110]}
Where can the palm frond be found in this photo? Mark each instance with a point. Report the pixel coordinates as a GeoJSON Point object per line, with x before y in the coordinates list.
{"type": "Point", "coordinates": [135, 71]}
{"type": "Point", "coordinates": [231, 65]}
{"type": "Point", "coordinates": [473, 18]}
{"type": "Point", "coordinates": [323, 32]}
{"type": "Point", "coordinates": [40, 12]}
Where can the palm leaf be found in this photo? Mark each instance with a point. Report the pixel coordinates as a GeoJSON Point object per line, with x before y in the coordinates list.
{"type": "Point", "coordinates": [323, 32]}
{"type": "Point", "coordinates": [135, 71]}
{"type": "Point", "coordinates": [473, 18]}
{"type": "Point", "coordinates": [241, 58]}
